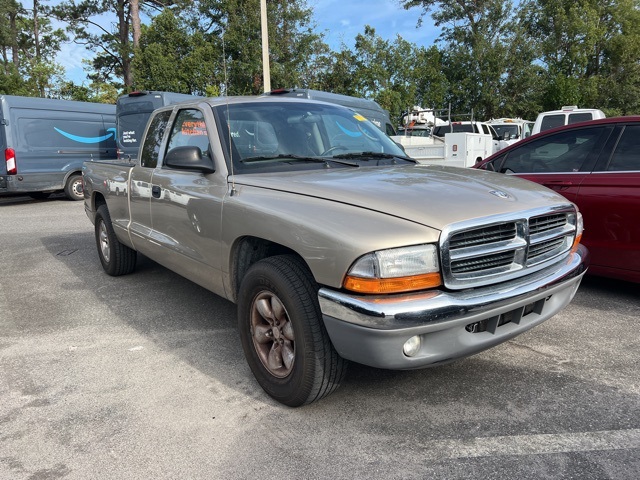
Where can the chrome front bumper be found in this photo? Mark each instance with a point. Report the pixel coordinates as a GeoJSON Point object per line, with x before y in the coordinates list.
{"type": "Point", "coordinates": [373, 329]}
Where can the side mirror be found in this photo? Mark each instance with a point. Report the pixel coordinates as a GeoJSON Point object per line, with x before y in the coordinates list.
{"type": "Point", "coordinates": [189, 157]}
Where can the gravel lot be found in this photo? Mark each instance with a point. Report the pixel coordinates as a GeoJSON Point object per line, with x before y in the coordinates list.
{"type": "Point", "coordinates": [143, 377]}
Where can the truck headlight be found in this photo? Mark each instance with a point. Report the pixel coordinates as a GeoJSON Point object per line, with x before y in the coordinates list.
{"type": "Point", "coordinates": [395, 270]}
{"type": "Point", "coordinates": [579, 229]}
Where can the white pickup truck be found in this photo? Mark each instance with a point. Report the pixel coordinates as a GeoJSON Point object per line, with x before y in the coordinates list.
{"type": "Point", "coordinates": [334, 245]}
{"type": "Point", "coordinates": [511, 130]}
{"type": "Point", "coordinates": [453, 144]}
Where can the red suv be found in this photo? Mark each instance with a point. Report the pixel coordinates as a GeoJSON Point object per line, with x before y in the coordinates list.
{"type": "Point", "coordinates": [596, 165]}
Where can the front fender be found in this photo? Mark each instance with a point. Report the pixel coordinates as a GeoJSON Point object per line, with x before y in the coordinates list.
{"type": "Point", "coordinates": [328, 235]}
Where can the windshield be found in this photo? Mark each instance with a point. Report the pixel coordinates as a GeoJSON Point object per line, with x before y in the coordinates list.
{"type": "Point", "coordinates": [512, 131]}
{"type": "Point", "coordinates": [299, 135]}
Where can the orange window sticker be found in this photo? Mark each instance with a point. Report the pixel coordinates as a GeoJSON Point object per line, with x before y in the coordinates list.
{"type": "Point", "coordinates": [359, 117]}
{"type": "Point", "coordinates": [194, 128]}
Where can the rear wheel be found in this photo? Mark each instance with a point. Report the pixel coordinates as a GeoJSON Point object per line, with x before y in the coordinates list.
{"type": "Point", "coordinates": [73, 189]}
{"type": "Point", "coordinates": [283, 336]}
{"type": "Point", "coordinates": [116, 258]}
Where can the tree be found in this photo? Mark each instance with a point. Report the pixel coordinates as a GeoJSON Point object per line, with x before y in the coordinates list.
{"type": "Point", "coordinates": [295, 50]}
{"type": "Point", "coordinates": [173, 58]}
{"type": "Point", "coordinates": [397, 74]}
{"type": "Point", "coordinates": [619, 94]}
{"type": "Point", "coordinates": [476, 34]}
{"type": "Point", "coordinates": [29, 46]}
{"type": "Point", "coordinates": [591, 51]}
{"type": "Point", "coordinates": [113, 46]}
{"type": "Point", "coordinates": [10, 79]}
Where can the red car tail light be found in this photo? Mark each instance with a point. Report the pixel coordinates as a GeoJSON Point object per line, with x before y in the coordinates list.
{"type": "Point", "coordinates": [10, 160]}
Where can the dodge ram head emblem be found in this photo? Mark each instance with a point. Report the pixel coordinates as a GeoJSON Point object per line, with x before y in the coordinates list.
{"type": "Point", "coordinates": [500, 194]}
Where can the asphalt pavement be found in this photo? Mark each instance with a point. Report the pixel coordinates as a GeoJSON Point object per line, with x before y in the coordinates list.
{"type": "Point", "coordinates": [143, 376]}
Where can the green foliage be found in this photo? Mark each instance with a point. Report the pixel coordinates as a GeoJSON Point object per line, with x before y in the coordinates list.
{"type": "Point", "coordinates": [591, 51]}
{"type": "Point", "coordinates": [29, 44]}
{"type": "Point", "coordinates": [11, 82]}
{"type": "Point", "coordinates": [171, 58]}
{"type": "Point", "coordinates": [96, 92]}
{"type": "Point", "coordinates": [338, 73]}
{"type": "Point", "coordinates": [396, 74]}
{"type": "Point", "coordinates": [296, 52]}
{"type": "Point", "coordinates": [477, 35]}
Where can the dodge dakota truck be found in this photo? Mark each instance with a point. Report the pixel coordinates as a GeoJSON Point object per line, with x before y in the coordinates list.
{"type": "Point", "coordinates": [334, 245]}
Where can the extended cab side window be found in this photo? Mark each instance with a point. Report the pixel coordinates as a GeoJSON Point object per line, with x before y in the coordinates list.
{"type": "Point", "coordinates": [579, 117]}
{"type": "Point", "coordinates": [189, 129]}
{"type": "Point", "coordinates": [627, 154]}
{"type": "Point", "coordinates": [151, 147]}
{"type": "Point", "coordinates": [551, 121]}
{"type": "Point", "coordinates": [565, 151]}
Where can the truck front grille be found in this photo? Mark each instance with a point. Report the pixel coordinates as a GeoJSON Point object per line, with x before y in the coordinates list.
{"type": "Point", "coordinates": [475, 254]}
{"type": "Point", "coordinates": [483, 263]}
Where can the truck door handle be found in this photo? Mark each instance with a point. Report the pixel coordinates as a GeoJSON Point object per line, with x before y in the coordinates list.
{"type": "Point", "coordinates": [562, 183]}
{"type": "Point", "coordinates": [558, 185]}
{"type": "Point", "coordinates": [155, 191]}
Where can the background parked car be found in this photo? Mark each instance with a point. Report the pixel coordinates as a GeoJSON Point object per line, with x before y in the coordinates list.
{"type": "Point", "coordinates": [595, 164]}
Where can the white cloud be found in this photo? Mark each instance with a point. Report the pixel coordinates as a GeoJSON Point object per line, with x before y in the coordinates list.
{"type": "Point", "coordinates": [71, 57]}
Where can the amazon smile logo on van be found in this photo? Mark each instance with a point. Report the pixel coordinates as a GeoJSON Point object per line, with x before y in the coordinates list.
{"type": "Point", "coordinates": [79, 139]}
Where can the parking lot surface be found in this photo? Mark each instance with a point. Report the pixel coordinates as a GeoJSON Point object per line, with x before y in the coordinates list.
{"type": "Point", "coordinates": [143, 376]}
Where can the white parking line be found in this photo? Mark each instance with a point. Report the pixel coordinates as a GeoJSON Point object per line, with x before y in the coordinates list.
{"type": "Point", "coordinates": [533, 444]}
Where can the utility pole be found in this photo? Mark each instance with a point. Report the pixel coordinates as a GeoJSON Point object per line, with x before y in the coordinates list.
{"type": "Point", "coordinates": [266, 73]}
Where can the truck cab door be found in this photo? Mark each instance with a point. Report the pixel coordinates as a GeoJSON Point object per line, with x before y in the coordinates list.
{"type": "Point", "coordinates": [186, 205]}
{"type": "Point", "coordinates": [140, 183]}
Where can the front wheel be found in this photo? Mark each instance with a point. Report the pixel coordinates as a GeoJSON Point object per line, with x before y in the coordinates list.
{"type": "Point", "coordinates": [116, 259]}
{"type": "Point", "coordinates": [73, 189]}
{"type": "Point", "coordinates": [282, 333]}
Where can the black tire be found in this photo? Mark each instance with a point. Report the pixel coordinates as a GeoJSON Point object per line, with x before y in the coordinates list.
{"type": "Point", "coordinates": [294, 337]}
{"type": "Point", "coordinates": [73, 189]}
{"type": "Point", "coordinates": [117, 259]}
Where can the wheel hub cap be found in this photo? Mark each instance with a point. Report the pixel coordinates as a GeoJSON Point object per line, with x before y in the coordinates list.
{"type": "Point", "coordinates": [104, 242]}
{"type": "Point", "coordinates": [272, 334]}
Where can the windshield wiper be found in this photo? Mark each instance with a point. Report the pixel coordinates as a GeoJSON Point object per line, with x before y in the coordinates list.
{"type": "Point", "coordinates": [373, 156]}
{"type": "Point", "coordinates": [297, 158]}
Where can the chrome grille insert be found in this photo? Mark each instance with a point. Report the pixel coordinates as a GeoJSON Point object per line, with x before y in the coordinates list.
{"type": "Point", "coordinates": [481, 236]}
{"type": "Point", "coordinates": [503, 248]}
{"type": "Point", "coordinates": [497, 260]}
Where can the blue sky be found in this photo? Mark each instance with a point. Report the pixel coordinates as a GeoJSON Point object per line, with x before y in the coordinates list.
{"type": "Point", "coordinates": [342, 20]}
{"type": "Point", "coordinates": [339, 20]}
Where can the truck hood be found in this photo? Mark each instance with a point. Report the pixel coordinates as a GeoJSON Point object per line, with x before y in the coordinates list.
{"type": "Point", "coordinates": [433, 196]}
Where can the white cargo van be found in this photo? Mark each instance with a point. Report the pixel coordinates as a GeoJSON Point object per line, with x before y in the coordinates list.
{"type": "Point", "coordinates": [565, 116]}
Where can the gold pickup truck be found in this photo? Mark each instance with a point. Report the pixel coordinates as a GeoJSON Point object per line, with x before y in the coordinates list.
{"type": "Point", "coordinates": [334, 245]}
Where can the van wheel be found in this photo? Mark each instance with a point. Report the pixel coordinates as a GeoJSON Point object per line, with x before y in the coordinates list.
{"type": "Point", "coordinates": [116, 259]}
{"type": "Point", "coordinates": [283, 337]}
{"type": "Point", "coordinates": [73, 189]}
